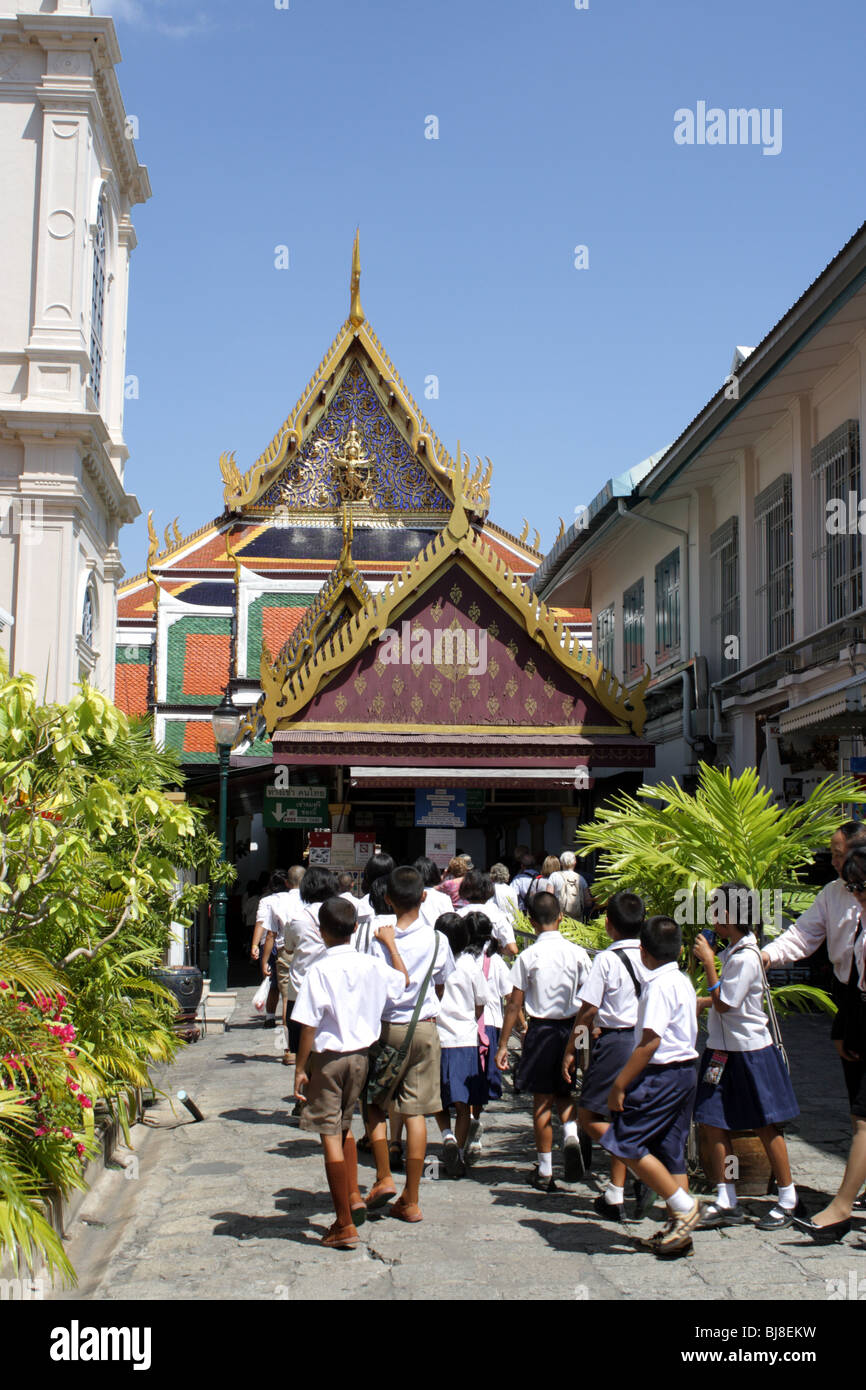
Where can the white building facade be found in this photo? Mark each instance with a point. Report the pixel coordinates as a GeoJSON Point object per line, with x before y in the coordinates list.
{"type": "Point", "coordinates": [733, 568]}
{"type": "Point", "coordinates": [71, 179]}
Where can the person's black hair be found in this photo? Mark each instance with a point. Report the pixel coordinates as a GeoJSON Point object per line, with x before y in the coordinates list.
{"type": "Point", "coordinates": [345, 881]}
{"type": "Point", "coordinates": [453, 927]}
{"type": "Point", "coordinates": [405, 888]}
{"type": "Point", "coordinates": [318, 884]}
{"type": "Point", "coordinates": [481, 936]}
{"type": "Point", "coordinates": [375, 867]}
{"type": "Point", "coordinates": [850, 828]}
{"type": "Point", "coordinates": [338, 916]}
{"type": "Point", "coordinates": [278, 882]}
{"type": "Point", "coordinates": [854, 867]}
{"type": "Point", "coordinates": [543, 909]}
{"type": "Point", "coordinates": [428, 871]}
{"type": "Point", "coordinates": [477, 887]}
{"type": "Point", "coordinates": [627, 912]}
{"type": "Point", "coordinates": [378, 889]}
{"type": "Point", "coordinates": [740, 913]}
{"type": "Point", "coordinates": [662, 938]}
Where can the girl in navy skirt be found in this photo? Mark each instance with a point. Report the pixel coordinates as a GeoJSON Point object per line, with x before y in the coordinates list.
{"type": "Point", "coordinates": [487, 952]}
{"type": "Point", "coordinates": [462, 1004]}
{"type": "Point", "coordinates": [743, 1082]}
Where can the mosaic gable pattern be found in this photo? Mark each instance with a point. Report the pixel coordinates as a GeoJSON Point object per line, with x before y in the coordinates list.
{"type": "Point", "coordinates": [316, 478]}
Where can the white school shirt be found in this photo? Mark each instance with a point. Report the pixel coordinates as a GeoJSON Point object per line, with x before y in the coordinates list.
{"type": "Point", "coordinates": [343, 995]}
{"type": "Point", "coordinates": [668, 1007]}
{"type": "Point", "coordinates": [304, 939]}
{"type": "Point", "coordinates": [465, 988]}
{"type": "Point", "coordinates": [363, 935]}
{"type": "Point", "coordinates": [745, 1028]}
{"type": "Point", "coordinates": [499, 985]}
{"type": "Point", "coordinates": [503, 932]}
{"type": "Point", "coordinates": [364, 909]}
{"type": "Point", "coordinates": [276, 911]}
{"type": "Point", "coordinates": [550, 973]}
{"type": "Point", "coordinates": [434, 904]}
{"type": "Point", "coordinates": [832, 917]}
{"type": "Point", "coordinates": [415, 948]}
{"type": "Point", "coordinates": [610, 988]}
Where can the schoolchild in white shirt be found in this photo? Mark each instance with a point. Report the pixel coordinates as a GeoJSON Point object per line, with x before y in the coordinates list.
{"type": "Point", "coordinates": [302, 942]}
{"type": "Point", "coordinates": [497, 977]}
{"type": "Point", "coordinates": [478, 894]}
{"type": "Point", "coordinates": [263, 948]}
{"type": "Point", "coordinates": [339, 1009]}
{"type": "Point", "coordinates": [435, 901]}
{"type": "Point", "coordinates": [417, 1093]}
{"type": "Point", "coordinates": [608, 1010]}
{"type": "Point", "coordinates": [742, 1081]}
{"type": "Point", "coordinates": [651, 1100]}
{"type": "Point", "coordinates": [275, 911]}
{"type": "Point", "coordinates": [377, 866]}
{"type": "Point", "coordinates": [546, 976]}
{"type": "Point", "coordinates": [461, 1006]}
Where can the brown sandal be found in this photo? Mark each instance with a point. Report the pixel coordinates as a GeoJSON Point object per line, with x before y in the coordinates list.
{"type": "Point", "coordinates": [341, 1237]}
{"type": "Point", "coordinates": [406, 1211]}
{"type": "Point", "coordinates": [380, 1197]}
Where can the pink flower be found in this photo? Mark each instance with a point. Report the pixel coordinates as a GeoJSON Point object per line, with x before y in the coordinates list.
{"type": "Point", "coordinates": [38, 1133]}
{"type": "Point", "coordinates": [79, 1149]}
{"type": "Point", "coordinates": [86, 1102]}
{"type": "Point", "coordinates": [66, 1132]}
{"type": "Point", "coordinates": [73, 1085]}
{"type": "Point", "coordinates": [61, 1001]}
{"type": "Point", "coordinates": [22, 1008]}
{"type": "Point", "coordinates": [3, 984]}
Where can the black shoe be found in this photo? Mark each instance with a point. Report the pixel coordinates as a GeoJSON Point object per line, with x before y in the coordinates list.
{"type": "Point", "coordinates": [270, 1023]}
{"type": "Point", "coordinates": [860, 1204]}
{"type": "Point", "coordinates": [713, 1216]}
{"type": "Point", "coordinates": [454, 1165]}
{"type": "Point", "coordinates": [787, 1218]}
{"type": "Point", "coordinates": [542, 1184]}
{"type": "Point", "coordinates": [297, 1110]}
{"type": "Point", "coordinates": [609, 1210]}
{"type": "Point", "coordinates": [572, 1161]}
{"type": "Point", "coordinates": [837, 1230]}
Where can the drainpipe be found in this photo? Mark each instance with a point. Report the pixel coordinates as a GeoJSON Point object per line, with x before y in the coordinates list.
{"type": "Point", "coordinates": [686, 612]}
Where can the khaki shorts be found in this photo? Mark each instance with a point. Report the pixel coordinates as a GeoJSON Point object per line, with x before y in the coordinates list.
{"type": "Point", "coordinates": [336, 1082]}
{"type": "Point", "coordinates": [284, 960]}
{"type": "Point", "coordinates": [418, 1090]}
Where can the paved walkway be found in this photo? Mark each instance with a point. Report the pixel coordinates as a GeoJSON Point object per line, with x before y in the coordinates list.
{"type": "Point", "coordinates": [233, 1207]}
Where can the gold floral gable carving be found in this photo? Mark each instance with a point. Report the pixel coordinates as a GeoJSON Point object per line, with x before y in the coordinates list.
{"type": "Point", "coordinates": [459, 541]}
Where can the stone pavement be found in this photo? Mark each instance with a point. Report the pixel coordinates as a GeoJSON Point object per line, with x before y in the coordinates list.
{"type": "Point", "coordinates": [233, 1208]}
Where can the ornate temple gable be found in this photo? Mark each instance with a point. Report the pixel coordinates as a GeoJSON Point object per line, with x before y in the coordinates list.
{"type": "Point", "coordinates": [310, 459]}
{"type": "Point", "coordinates": [287, 700]}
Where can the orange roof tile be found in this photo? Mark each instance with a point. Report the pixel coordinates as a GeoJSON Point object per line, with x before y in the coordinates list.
{"type": "Point", "coordinates": [206, 667]}
{"type": "Point", "coordinates": [130, 688]}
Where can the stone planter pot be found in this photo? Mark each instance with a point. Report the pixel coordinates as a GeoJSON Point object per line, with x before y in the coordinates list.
{"type": "Point", "coordinates": [185, 982]}
{"type": "Point", "coordinates": [754, 1172]}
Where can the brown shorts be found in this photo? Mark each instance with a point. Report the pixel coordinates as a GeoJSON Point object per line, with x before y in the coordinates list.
{"type": "Point", "coordinates": [284, 960]}
{"type": "Point", "coordinates": [418, 1090]}
{"type": "Point", "coordinates": [336, 1082]}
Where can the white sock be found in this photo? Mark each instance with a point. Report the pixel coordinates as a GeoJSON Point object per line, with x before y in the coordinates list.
{"type": "Point", "coordinates": [569, 1130]}
{"type": "Point", "coordinates": [726, 1195]}
{"type": "Point", "coordinates": [448, 1134]}
{"type": "Point", "coordinates": [545, 1165]}
{"type": "Point", "coordinates": [614, 1196]}
{"type": "Point", "coordinates": [680, 1202]}
{"type": "Point", "coordinates": [787, 1198]}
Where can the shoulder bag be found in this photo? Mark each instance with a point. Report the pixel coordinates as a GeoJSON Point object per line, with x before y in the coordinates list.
{"type": "Point", "coordinates": [386, 1062]}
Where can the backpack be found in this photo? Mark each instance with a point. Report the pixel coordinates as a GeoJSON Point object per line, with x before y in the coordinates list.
{"type": "Point", "coordinates": [572, 899]}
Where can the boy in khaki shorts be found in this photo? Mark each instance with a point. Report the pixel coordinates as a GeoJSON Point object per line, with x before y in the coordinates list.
{"type": "Point", "coordinates": [339, 1008]}
{"type": "Point", "coordinates": [416, 1094]}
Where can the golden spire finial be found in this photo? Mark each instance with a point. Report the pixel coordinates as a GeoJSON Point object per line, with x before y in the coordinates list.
{"type": "Point", "coordinates": [348, 534]}
{"type": "Point", "coordinates": [458, 522]}
{"type": "Point", "coordinates": [152, 552]}
{"type": "Point", "coordinates": [356, 313]}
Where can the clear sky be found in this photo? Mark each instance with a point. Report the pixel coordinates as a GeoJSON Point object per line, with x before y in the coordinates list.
{"type": "Point", "coordinates": [264, 127]}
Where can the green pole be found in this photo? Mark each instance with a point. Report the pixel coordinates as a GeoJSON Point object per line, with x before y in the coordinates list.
{"type": "Point", "coordinates": [219, 952]}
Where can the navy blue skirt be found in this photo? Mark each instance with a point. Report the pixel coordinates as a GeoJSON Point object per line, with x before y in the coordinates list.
{"type": "Point", "coordinates": [656, 1115]}
{"type": "Point", "coordinates": [755, 1090]}
{"type": "Point", "coordinates": [491, 1075]}
{"type": "Point", "coordinates": [539, 1070]}
{"type": "Point", "coordinates": [462, 1079]}
{"type": "Point", "coordinates": [610, 1053]}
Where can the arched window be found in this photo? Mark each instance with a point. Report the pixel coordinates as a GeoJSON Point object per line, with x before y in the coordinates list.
{"type": "Point", "coordinates": [87, 616]}
{"type": "Point", "coordinates": [97, 308]}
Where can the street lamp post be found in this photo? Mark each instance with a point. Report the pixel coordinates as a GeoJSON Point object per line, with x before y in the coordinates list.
{"type": "Point", "coordinates": [226, 720]}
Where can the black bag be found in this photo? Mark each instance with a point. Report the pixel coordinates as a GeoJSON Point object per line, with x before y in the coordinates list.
{"type": "Point", "coordinates": [386, 1062]}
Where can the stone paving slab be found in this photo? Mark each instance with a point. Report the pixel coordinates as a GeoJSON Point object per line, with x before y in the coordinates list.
{"type": "Point", "coordinates": [233, 1207]}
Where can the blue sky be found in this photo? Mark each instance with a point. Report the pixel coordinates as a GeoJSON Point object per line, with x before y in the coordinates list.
{"type": "Point", "coordinates": [263, 126]}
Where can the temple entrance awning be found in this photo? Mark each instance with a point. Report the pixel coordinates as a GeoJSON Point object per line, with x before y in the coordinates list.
{"type": "Point", "coordinates": [478, 755]}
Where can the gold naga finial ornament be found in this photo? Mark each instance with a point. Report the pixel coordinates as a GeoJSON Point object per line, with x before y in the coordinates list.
{"type": "Point", "coordinates": [524, 535]}
{"type": "Point", "coordinates": [356, 313]}
{"type": "Point", "coordinates": [152, 552]}
{"type": "Point", "coordinates": [561, 532]}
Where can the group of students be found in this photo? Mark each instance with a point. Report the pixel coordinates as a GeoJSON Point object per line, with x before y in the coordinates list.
{"type": "Point", "coordinates": [417, 972]}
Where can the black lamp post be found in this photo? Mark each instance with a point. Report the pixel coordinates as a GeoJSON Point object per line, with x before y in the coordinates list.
{"type": "Point", "coordinates": [226, 720]}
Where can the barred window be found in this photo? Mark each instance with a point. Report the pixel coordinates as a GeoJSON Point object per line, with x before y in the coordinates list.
{"type": "Point", "coordinates": [725, 567]}
{"type": "Point", "coordinates": [633, 615]}
{"type": "Point", "coordinates": [87, 616]}
{"type": "Point", "coordinates": [604, 634]}
{"type": "Point", "coordinates": [774, 525]}
{"type": "Point", "coordinates": [668, 606]}
{"type": "Point", "coordinates": [97, 307]}
{"type": "Point", "coordinates": [838, 555]}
